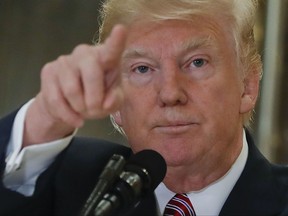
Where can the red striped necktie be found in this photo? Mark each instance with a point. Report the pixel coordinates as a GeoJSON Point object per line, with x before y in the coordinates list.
{"type": "Point", "coordinates": [179, 205]}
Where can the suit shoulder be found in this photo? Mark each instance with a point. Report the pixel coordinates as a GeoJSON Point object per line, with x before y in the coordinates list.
{"type": "Point", "coordinates": [88, 149]}
{"type": "Point", "coordinates": [79, 168]}
{"type": "Point", "coordinates": [88, 156]}
{"type": "Point", "coordinates": [281, 173]}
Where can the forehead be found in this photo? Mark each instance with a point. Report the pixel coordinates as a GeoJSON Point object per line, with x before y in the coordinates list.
{"type": "Point", "coordinates": [177, 35]}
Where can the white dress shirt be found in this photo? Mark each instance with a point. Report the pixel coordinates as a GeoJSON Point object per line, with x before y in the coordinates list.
{"type": "Point", "coordinates": [24, 166]}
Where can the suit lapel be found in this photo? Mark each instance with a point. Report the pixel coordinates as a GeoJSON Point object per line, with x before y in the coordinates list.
{"type": "Point", "coordinates": [256, 191]}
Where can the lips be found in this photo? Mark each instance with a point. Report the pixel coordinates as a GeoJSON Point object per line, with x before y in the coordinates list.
{"type": "Point", "coordinates": [175, 127]}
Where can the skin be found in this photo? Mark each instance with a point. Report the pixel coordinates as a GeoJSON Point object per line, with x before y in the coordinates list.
{"type": "Point", "coordinates": [173, 86]}
{"type": "Point", "coordinates": [184, 98]}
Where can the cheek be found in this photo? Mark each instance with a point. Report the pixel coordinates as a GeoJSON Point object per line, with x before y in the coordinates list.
{"type": "Point", "coordinates": [137, 107]}
{"type": "Point", "coordinates": [221, 99]}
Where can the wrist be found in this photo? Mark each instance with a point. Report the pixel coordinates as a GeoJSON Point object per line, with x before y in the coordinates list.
{"type": "Point", "coordinates": [40, 126]}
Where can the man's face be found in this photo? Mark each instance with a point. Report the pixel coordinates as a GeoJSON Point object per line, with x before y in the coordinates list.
{"type": "Point", "coordinates": [183, 93]}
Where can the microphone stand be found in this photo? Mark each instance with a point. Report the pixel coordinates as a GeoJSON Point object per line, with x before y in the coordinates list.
{"type": "Point", "coordinates": [107, 178]}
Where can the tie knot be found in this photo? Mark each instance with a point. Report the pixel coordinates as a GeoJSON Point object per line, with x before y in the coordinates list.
{"type": "Point", "coordinates": [179, 205]}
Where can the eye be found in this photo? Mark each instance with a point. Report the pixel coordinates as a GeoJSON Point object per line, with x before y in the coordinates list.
{"type": "Point", "coordinates": [141, 69]}
{"type": "Point", "coordinates": [198, 62]}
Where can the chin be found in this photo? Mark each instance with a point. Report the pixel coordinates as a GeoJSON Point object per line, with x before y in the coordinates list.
{"type": "Point", "coordinates": [175, 159]}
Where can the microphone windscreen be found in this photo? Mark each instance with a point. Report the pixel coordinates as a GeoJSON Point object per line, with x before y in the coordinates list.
{"type": "Point", "coordinates": [153, 163]}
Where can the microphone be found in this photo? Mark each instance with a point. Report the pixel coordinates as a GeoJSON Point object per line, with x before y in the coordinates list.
{"type": "Point", "coordinates": [142, 174]}
{"type": "Point", "coordinates": [107, 178]}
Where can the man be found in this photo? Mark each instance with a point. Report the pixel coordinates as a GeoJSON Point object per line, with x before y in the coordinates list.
{"type": "Point", "coordinates": [179, 77]}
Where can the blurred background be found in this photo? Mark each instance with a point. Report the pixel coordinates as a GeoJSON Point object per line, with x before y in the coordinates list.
{"type": "Point", "coordinates": [33, 32]}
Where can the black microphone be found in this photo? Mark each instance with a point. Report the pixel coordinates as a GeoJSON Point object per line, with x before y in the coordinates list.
{"type": "Point", "coordinates": [107, 178]}
{"type": "Point", "coordinates": [142, 174]}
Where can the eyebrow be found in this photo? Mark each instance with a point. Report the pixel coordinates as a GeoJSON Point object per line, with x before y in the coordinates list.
{"type": "Point", "coordinates": [134, 53]}
{"type": "Point", "coordinates": [192, 44]}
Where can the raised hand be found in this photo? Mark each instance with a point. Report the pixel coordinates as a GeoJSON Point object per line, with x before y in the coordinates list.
{"type": "Point", "coordinates": [85, 84]}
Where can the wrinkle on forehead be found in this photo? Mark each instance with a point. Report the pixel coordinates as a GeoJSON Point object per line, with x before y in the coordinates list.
{"type": "Point", "coordinates": [191, 44]}
{"type": "Point", "coordinates": [188, 45]}
{"type": "Point", "coordinates": [211, 33]}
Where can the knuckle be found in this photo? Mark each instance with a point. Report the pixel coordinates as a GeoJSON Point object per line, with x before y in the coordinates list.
{"type": "Point", "coordinates": [62, 59]}
{"type": "Point", "coordinates": [52, 67]}
{"type": "Point", "coordinates": [81, 48]}
{"type": "Point", "coordinates": [47, 70]}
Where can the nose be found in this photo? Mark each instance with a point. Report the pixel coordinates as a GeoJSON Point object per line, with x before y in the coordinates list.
{"type": "Point", "coordinates": [171, 88]}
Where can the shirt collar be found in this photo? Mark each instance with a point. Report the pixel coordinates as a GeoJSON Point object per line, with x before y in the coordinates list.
{"type": "Point", "coordinates": [215, 194]}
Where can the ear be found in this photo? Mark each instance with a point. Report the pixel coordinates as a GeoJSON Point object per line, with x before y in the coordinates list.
{"type": "Point", "coordinates": [250, 93]}
{"type": "Point", "coordinates": [117, 118]}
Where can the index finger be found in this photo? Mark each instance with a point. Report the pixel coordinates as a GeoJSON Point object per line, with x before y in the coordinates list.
{"type": "Point", "coordinates": [113, 47]}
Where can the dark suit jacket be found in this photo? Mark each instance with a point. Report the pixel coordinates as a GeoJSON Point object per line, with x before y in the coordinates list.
{"type": "Point", "coordinates": [64, 187]}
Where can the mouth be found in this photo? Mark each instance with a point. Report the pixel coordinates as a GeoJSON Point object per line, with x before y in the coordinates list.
{"type": "Point", "coordinates": [175, 128]}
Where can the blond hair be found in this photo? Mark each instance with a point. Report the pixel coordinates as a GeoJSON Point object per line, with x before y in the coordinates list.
{"type": "Point", "coordinates": [240, 15]}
